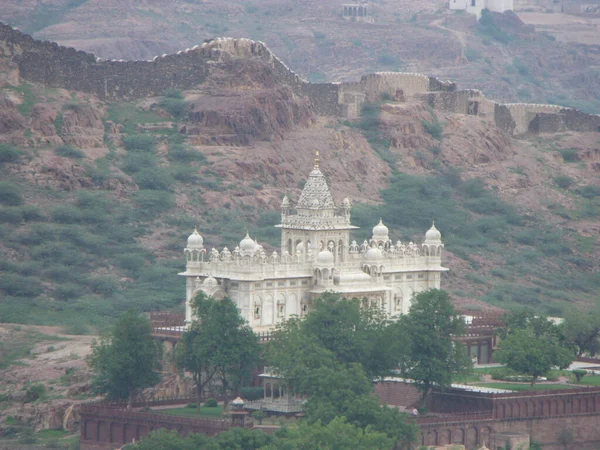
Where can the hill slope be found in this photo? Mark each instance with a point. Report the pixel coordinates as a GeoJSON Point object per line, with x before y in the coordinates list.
{"type": "Point", "coordinates": [98, 197]}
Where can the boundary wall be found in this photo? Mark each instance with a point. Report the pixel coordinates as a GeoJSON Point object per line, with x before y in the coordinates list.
{"type": "Point", "coordinates": [476, 418]}
{"type": "Point", "coordinates": [61, 67]}
{"type": "Point", "coordinates": [108, 426]}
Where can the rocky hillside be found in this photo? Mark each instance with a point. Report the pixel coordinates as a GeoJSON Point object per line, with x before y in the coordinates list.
{"type": "Point", "coordinates": [534, 57]}
{"type": "Point", "coordinates": [98, 197]}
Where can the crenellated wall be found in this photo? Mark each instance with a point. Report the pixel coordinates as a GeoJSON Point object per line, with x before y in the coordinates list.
{"type": "Point", "coordinates": [61, 67]}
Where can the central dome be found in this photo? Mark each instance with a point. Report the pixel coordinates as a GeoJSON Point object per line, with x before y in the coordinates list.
{"type": "Point", "coordinates": [380, 230]}
{"type": "Point", "coordinates": [247, 245]}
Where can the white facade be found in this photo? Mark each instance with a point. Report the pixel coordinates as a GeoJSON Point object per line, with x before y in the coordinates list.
{"type": "Point", "coordinates": [316, 256]}
{"type": "Point", "coordinates": [476, 6]}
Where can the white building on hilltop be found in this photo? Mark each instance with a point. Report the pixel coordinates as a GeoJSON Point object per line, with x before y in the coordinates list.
{"type": "Point", "coordinates": [476, 6]}
{"type": "Point", "coordinates": [316, 256]}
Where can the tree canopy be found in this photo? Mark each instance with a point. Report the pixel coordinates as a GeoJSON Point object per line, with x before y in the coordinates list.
{"type": "Point", "coordinates": [218, 344]}
{"type": "Point", "coordinates": [125, 360]}
{"type": "Point", "coordinates": [533, 345]}
{"type": "Point", "coordinates": [582, 330]}
{"type": "Point", "coordinates": [429, 355]}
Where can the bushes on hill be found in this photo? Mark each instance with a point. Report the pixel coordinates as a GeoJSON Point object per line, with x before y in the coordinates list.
{"type": "Point", "coordinates": [9, 154]}
{"type": "Point", "coordinates": [151, 202]}
{"type": "Point", "coordinates": [10, 194]}
{"type": "Point", "coordinates": [154, 178]}
{"type": "Point", "coordinates": [139, 142]}
{"type": "Point", "coordinates": [174, 106]}
{"type": "Point", "coordinates": [69, 152]}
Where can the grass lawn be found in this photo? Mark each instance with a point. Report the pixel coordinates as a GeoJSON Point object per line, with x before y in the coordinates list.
{"type": "Point", "coordinates": [204, 411]}
{"type": "Point", "coordinates": [592, 380]}
{"type": "Point", "coordinates": [525, 386]}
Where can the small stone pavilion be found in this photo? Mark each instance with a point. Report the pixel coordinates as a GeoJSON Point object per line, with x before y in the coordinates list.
{"type": "Point", "coordinates": [356, 12]}
{"type": "Point", "coordinates": [316, 255]}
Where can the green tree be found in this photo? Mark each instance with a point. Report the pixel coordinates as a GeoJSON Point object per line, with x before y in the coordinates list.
{"type": "Point", "coordinates": [336, 435]}
{"type": "Point", "coordinates": [352, 334]}
{"type": "Point", "coordinates": [431, 356]}
{"type": "Point", "coordinates": [526, 352]}
{"type": "Point", "coordinates": [219, 344]}
{"type": "Point", "coordinates": [125, 360]}
{"type": "Point", "coordinates": [582, 330]}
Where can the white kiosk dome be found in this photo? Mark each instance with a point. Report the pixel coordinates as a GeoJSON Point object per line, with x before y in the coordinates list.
{"type": "Point", "coordinates": [247, 245]}
{"type": "Point", "coordinates": [325, 257]}
{"type": "Point", "coordinates": [433, 235]}
{"type": "Point", "coordinates": [374, 253]}
{"type": "Point", "coordinates": [210, 282]}
{"type": "Point", "coordinates": [195, 240]}
{"type": "Point", "coordinates": [380, 231]}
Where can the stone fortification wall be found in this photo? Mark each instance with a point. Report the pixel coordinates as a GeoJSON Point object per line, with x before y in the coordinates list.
{"type": "Point", "coordinates": [61, 67]}
{"type": "Point", "coordinates": [377, 84]}
{"type": "Point", "coordinates": [524, 113]}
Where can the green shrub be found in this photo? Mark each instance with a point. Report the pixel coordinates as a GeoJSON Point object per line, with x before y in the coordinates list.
{"type": "Point", "coordinates": [318, 35]}
{"type": "Point", "coordinates": [20, 286]}
{"type": "Point", "coordinates": [173, 93]}
{"type": "Point", "coordinates": [151, 202]}
{"type": "Point", "coordinates": [252, 393]}
{"type": "Point", "coordinates": [105, 285]}
{"type": "Point", "coordinates": [589, 191]}
{"type": "Point", "coordinates": [174, 106]}
{"type": "Point", "coordinates": [472, 54]}
{"type": "Point", "coordinates": [434, 128]}
{"type": "Point", "coordinates": [183, 154]}
{"type": "Point", "coordinates": [9, 154]}
{"type": "Point", "coordinates": [10, 194]}
{"type": "Point", "coordinates": [134, 162]}
{"type": "Point", "coordinates": [563, 181]}
{"type": "Point", "coordinates": [521, 68]}
{"type": "Point", "coordinates": [156, 178]}
{"type": "Point", "coordinates": [34, 393]}
{"type": "Point", "coordinates": [259, 416]}
{"type": "Point", "coordinates": [59, 273]}
{"type": "Point", "coordinates": [77, 329]}
{"type": "Point", "coordinates": [31, 213]}
{"type": "Point", "coordinates": [569, 155]}
{"type": "Point", "coordinates": [357, 43]}
{"type": "Point", "coordinates": [69, 152]}
{"type": "Point", "coordinates": [139, 142]}
{"type": "Point", "coordinates": [211, 403]}
{"type": "Point", "coordinates": [11, 214]}
{"type": "Point", "coordinates": [67, 291]}
{"type": "Point", "coordinates": [185, 173]}
{"type": "Point", "coordinates": [192, 405]}
{"type": "Point", "coordinates": [131, 262]}
{"type": "Point", "coordinates": [579, 374]}
{"type": "Point", "coordinates": [488, 27]}
{"type": "Point", "coordinates": [66, 214]}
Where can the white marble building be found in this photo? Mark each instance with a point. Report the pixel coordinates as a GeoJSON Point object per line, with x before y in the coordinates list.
{"type": "Point", "coordinates": [316, 255]}
{"type": "Point", "coordinates": [476, 6]}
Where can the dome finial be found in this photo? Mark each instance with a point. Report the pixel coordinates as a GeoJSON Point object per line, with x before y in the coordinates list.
{"type": "Point", "coordinates": [317, 160]}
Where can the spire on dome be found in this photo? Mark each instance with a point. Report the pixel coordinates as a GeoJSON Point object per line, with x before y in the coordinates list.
{"type": "Point", "coordinates": [316, 194]}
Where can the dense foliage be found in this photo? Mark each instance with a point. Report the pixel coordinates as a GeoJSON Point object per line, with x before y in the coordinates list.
{"type": "Point", "coordinates": [533, 345]}
{"type": "Point", "coordinates": [218, 345]}
{"type": "Point", "coordinates": [125, 361]}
